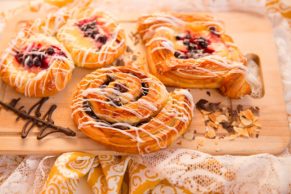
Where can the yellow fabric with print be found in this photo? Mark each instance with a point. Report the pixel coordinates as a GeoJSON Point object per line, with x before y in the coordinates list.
{"type": "Point", "coordinates": [105, 174]}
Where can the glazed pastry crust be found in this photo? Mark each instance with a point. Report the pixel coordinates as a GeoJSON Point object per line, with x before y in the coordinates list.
{"type": "Point", "coordinates": [224, 68]}
{"type": "Point", "coordinates": [140, 123]}
{"type": "Point", "coordinates": [40, 82]}
{"type": "Point", "coordinates": [83, 49]}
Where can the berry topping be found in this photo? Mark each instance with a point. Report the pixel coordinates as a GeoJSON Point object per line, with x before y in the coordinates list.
{"type": "Point", "coordinates": [37, 56]}
{"type": "Point", "coordinates": [196, 47]}
{"type": "Point", "coordinates": [91, 29]}
{"type": "Point", "coordinates": [50, 51]}
{"type": "Point", "coordinates": [201, 42]}
{"type": "Point", "coordinates": [213, 31]}
{"type": "Point", "coordinates": [36, 61]}
{"type": "Point", "coordinates": [102, 39]}
{"type": "Point", "coordinates": [179, 37]}
{"type": "Point", "coordinates": [177, 54]}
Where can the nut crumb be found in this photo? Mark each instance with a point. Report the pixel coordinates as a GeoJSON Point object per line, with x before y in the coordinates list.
{"type": "Point", "coordinates": [239, 122]}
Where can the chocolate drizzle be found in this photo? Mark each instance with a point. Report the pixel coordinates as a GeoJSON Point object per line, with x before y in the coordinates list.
{"type": "Point", "coordinates": [44, 123]}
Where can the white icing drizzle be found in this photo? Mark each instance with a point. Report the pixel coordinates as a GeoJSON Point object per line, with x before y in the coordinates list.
{"type": "Point", "coordinates": [162, 43]}
{"type": "Point", "coordinates": [111, 47]}
{"type": "Point", "coordinates": [180, 110]}
{"type": "Point", "coordinates": [30, 79]}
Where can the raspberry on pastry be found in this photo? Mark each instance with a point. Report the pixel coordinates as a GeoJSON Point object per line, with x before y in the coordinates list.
{"type": "Point", "coordinates": [36, 65]}
{"type": "Point", "coordinates": [130, 111]}
{"type": "Point", "coordinates": [192, 51]}
{"type": "Point", "coordinates": [93, 39]}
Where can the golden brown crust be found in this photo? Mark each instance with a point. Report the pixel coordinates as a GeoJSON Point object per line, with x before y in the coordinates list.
{"type": "Point", "coordinates": [37, 82]}
{"type": "Point", "coordinates": [130, 111]}
{"type": "Point", "coordinates": [223, 67]}
{"type": "Point", "coordinates": [84, 50]}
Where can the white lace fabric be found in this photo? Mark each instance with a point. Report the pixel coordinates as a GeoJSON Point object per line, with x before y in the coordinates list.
{"type": "Point", "coordinates": [188, 169]}
{"type": "Point", "coordinates": [24, 174]}
{"type": "Point", "coordinates": [200, 172]}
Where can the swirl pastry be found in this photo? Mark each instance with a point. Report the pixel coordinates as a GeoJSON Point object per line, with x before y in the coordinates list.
{"type": "Point", "coordinates": [193, 51]}
{"type": "Point", "coordinates": [130, 111]}
{"type": "Point", "coordinates": [36, 65]}
{"type": "Point", "coordinates": [94, 39]}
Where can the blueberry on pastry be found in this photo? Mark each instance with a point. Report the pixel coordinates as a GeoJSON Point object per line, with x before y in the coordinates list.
{"type": "Point", "coordinates": [93, 39]}
{"type": "Point", "coordinates": [130, 111]}
{"type": "Point", "coordinates": [36, 65]}
{"type": "Point", "coordinates": [193, 51]}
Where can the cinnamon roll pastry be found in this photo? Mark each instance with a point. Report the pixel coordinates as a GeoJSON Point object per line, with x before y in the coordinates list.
{"type": "Point", "coordinates": [130, 111]}
{"type": "Point", "coordinates": [93, 39]}
{"type": "Point", "coordinates": [36, 65]}
{"type": "Point", "coordinates": [193, 51]}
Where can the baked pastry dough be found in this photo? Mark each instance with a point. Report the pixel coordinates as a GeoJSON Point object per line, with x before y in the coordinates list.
{"type": "Point", "coordinates": [129, 110]}
{"type": "Point", "coordinates": [93, 39]}
{"type": "Point", "coordinates": [193, 51]}
{"type": "Point", "coordinates": [36, 65]}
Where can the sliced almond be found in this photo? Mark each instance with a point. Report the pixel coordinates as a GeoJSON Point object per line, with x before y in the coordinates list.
{"type": "Point", "coordinates": [210, 133]}
{"type": "Point", "coordinates": [251, 130]}
{"type": "Point", "coordinates": [205, 117]}
{"type": "Point", "coordinates": [257, 124]}
{"type": "Point", "coordinates": [248, 114]}
{"type": "Point", "coordinates": [241, 131]}
{"type": "Point", "coordinates": [221, 118]}
{"type": "Point", "coordinates": [231, 137]}
{"type": "Point", "coordinates": [212, 125]}
{"type": "Point", "coordinates": [245, 121]}
{"type": "Point", "coordinates": [212, 117]}
{"type": "Point", "coordinates": [188, 136]}
{"type": "Point", "coordinates": [204, 112]}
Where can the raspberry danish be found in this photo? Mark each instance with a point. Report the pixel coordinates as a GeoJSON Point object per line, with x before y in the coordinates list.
{"type": "Point", "coordinates": [193, 51]}
{"type": "Point", "coordinates": [129, 110]}
{"type": "Point", "coordinates": [94, 39]}
{"type": "Point", "coordinates": [36, 65]}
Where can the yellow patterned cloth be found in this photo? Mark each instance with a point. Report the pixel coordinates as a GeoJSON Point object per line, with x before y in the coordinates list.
{"type": "Point", "coordinates": [105, 174]}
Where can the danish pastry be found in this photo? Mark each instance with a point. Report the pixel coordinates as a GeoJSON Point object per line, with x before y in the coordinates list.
{"type": "Point", "coordinates": [129, 110]}
{"type": "Point", "coordinates": [36, 65]}
{"type": "Point", "coordinates": [193, 51]}
{"type": "Point", "coordinates": [94, 39]}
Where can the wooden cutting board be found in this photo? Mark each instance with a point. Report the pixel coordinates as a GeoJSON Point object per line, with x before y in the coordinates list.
{"type": "Point", "coordinates": [251, 32]}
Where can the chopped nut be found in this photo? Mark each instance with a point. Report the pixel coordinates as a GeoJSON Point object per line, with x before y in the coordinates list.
{"type": "Point", "coordinates": [232, 137]}
{"type": "Point", "coordinates": [227, 126]}
{"type": "Point", "coordinates": [241, 121]}
{"type": "Point", "coordinates": [241, 131]}
{"type": "Point", "coordinates": [210, 133]}
{"type": "Point", "coordinates": [189, 136]}
{"type": "Point", "coordinates": [251, 130]}
{"type": "Point", "coordinates": [221, 118]}
{"type": "Point", "coordinates": [205, 112]}
{"type": "Point", "coordinates": [212, 125]}
{"type": "Point", "coordinates": [212, 117]}
{"type": "Point", "coordinates": [247, 114]}
{"type": "Point", "coordinates": [245, 122]}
